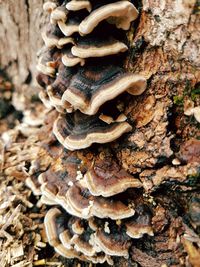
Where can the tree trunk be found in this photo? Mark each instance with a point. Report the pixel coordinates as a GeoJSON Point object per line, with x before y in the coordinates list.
{"type": "Point", "coordinates": [164, 143]}
{"type": "Point", "coordinates": [20, 26]}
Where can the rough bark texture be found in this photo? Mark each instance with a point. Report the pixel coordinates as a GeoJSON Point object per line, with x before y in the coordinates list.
{"type": "Point", "coordinates": [166, 48]}
{"type": "Point", "coordinates": [20, 25]}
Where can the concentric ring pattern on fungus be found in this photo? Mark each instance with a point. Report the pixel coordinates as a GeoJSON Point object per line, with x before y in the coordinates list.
{"type": "Point", "coordinates": [96, 208]}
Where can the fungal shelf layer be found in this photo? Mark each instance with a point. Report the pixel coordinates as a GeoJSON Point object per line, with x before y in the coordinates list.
{"type": "Point", "coordinates": [98, 209]}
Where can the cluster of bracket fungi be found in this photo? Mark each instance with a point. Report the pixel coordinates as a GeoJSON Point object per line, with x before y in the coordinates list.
{"type": "Point", "coordinates": [98, 207]}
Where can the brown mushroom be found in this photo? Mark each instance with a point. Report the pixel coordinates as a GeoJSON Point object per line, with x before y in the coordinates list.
{"type": "Point", "coordinates": [77, 131]}
{"type": "Point", "coordinates": [49, 61]}
{"type": "Point", "coordinates": [68, 244]}
{"type": "Point", "coordinates": [52, 234]}
{"type": "Point", "coordinates": [81, 246]}
{"type": "Point", "coordinates": [120, 13]}
{"type": "Point", "coordinates": [112, 243]}
{"type": "Point", "coordinates": [77, 227]}
{"type": "Point", "coordinates": [60, 185]}
{"type": "Point", "coordinates": [100, 258]}
{"type": "Point", "coordinates": [84, 205]}
{"type": "Point", "coordinates": [140, 224]}
{"type": "Point", "coordinates": [46, 64]}
{"type": "Point", "coordinates": [65, 238]}
{"type": "Point", "coordinates": [101, 84]}
{"type": "Point", "coordinates": [44, 80]}
{"type": "Point", "coordinates": [60, 84]}
{"type": "Point", "coordinates": [107, 178]}
{"type": "Point", "coordinates": [98, 47]}
{"type": "Point", "coordinates": [45, 99]}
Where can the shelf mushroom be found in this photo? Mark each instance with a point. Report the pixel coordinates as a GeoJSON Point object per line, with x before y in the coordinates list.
{"type": "Point", "coordinates": [120, 13]}
{"type": "Point", "coordinates": [78, 131]}
{"type": "Point", "coordinates": [70, 27]}
{"type": "Point", "coordinates": [59, 85]}
{"type": "Point", "coordinates": [106, 178]}
{"type": "Point", "coordinates": [69, 60]}
{"type": "Point", "coordinates": [81, 70]}
{"type": "Point", "coordinates": [69, 244]}
{"type": "Point", "coordinates": [53, 37]}
{"type": "Point", "coordinates": [76, 5]}
{"type": "Point", "coordinates": [113, 244]}
{"type": "Point", "coordinates": [98, 47]}
{"type": "Point", "coordinates": [51, 228]}
{"type": "Point", "coordinates": [92, 86]}
{"type": "Point", "coordinates": [140, 224]}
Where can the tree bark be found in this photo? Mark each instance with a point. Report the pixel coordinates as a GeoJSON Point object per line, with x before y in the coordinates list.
{"type": "Point", "coordinates": [20, 26]}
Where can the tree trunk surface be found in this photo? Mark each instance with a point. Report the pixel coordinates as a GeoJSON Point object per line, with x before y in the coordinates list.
{"type": "Point", "coordinates": [21, 22]}
{"type": "Point", "coordinates": [165, 47]}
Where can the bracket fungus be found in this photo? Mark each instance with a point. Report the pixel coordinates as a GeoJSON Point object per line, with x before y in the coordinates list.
{"type": "Point", "coordinates": [78, 131]}
{"type": "Point", "coordinates": [102, 241]}
{"type": "Point", "coordinates": [52, 36]}
{"type": "Point", "coordinates": [94, 209]}
{"type": "Point", "coordinates": [106, 178]}
{"type": "Point", "coordinates": [69, 60]}
{"type": "Point", "coordinates": [92, 86]}
{"type": "Point", "coordinates": [75, 5]}
{"type": "Point", "coordinates": [120, 13]}
{"type": "Point", "coordinates": [98, 47]}
{"type": "Point", "coordinates": [60, 185]}
{"type": "Point", "coordinates": [69, 28]}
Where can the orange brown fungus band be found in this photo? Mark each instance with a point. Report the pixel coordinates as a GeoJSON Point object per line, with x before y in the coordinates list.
{"type": "Point", "coordinates": [96, 207]}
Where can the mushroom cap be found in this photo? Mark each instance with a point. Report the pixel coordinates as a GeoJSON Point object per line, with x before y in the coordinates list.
{"type": "Point", "coordinates": [120, 13]}
{"type": "Point", "coordinates": [53, 37]}
{"type": "Point", "coordinates": [76, 5]}
{"type": "Point", "coordinates": [48, 62]}
{"type": "Point", "coordinates": [113, 244]}
{"type": "Point", "coordinates": [45, 66]}
{"type": "Point", "coordinates": [140, 224]}
{"type": "Point", "coordinates": [61, 82]}
{"type": "Point", "coordinates": [107, 178]}
{"type": "Point", "coordinates": [61, 185]}
{"type": "Point", "coordinates": [85, 205]}
{"type": "Point", "coordinates": [98, 47]}
{"type": "Point", "coordinates": [67, 243]}
{"type": "Point", "coordinates": [58, 14]}
{"type": "Point", "coordinates": [116, 210]}
{"type": "Point", "coordinates": [44, 80]}
{"type": "Point", "coordinates": [77, 131]}
{"type": "Point", "coordinates": [51, 228]}
{"type": "Point", "coordinates": [69, 60]}
{"type": "Point", "coordinates": [65, 238]}
{"type": "Point", "coordinates": [70, 27]}
{"type": "Point", "coordinates": [78, 227]}
{"type": "Point", "coordinates": [83, 246]}
{"type": "Point", "coordinates": [93, 85]}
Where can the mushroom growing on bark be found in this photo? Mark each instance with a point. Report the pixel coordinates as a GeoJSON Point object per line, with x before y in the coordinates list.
{"type": "Point", "coordinates": [78, 131]}
{"type": "Point", "coordinates": [82, 73]}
